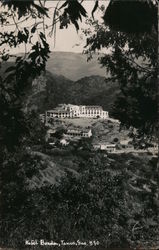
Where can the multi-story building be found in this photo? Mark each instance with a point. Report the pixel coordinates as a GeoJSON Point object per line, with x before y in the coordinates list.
{"type": "Point", "coordinates": [75, 111]}
{"type": "Point", "coordinates": [93, 112]}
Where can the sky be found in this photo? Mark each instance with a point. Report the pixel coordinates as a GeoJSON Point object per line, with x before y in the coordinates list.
{"type": "Point", "coordinates": [66, 39]}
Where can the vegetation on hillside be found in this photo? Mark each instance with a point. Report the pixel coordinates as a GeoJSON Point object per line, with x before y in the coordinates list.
{"type": "Point", "coordinates": [114, 200]}
{"type": "Point", "coordinates": [92, 90]}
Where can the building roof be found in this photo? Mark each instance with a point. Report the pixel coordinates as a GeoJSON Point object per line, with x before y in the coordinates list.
{"type": "Point", "coordinates": [93, 107]}
{"type": "Point", "coordinates": [74, 131]}
{"type": "Point", "coordinates": [65, 107]}
{"type": "Point", "coordinates": [59, 110]}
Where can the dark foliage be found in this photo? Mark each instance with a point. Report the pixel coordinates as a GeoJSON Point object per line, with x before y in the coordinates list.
{"type": "Point", "coordinates": [24, 7]}
{"type": "Point", "coordinates": [73, 12]}
{"type": "Point", "coordinates": [132, 62]}
{"type": "Point", "coordinates": [131, 16]}
{"type": "Point", "coordinates": [113, 204]}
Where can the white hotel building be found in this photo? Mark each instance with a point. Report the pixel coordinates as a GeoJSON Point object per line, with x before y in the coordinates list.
{"type": "Point", "coordinates": [75, 111]}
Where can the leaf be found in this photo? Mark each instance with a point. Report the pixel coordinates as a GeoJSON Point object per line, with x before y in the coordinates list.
{"type": "Point", "coordinates": [10, 69]}
{"type": "Point", "coordinates": [26, 30]}
{"type": "Point", "coordinates": [82, 10]}
{"type": "Point", "coordinates": [76, 25]}
{"type": "Point", "coordinates": [42, 10]}
{"type": "Point", "coordinates": [95, 8]}
{"type": "Point", "coordinates": [64, 5]}
{"type": "Point", "coordinates": [33, 29]}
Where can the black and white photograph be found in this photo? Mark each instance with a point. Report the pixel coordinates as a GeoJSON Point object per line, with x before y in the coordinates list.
{"type": "Point", "coordinates": [79, 129]}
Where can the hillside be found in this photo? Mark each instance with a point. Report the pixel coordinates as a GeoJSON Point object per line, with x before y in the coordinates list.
{"type": "Point", "coordinates": [92, 90]}
{"type": "Point", "coordinates": [71, 65]}
{"type": "Point", "coordinates": [69, 79]}
{"type": "Point", "coordinates": [74, 65]}
{"type": "Point", "coordinates": [49, 95]}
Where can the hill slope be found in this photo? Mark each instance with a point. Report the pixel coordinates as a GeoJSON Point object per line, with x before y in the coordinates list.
{"type": "Point", "coordinates": [71, 65]}
{"type": "Point", "coordinates": [92, 90]}
{"type": "Point", "coordinates": [74, 65]}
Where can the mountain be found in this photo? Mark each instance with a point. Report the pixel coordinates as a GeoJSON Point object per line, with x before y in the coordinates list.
{"type": "Point", "coordinates": [48, 91]}
{"type": "Point", "coordinates": [70, 79]}
{"type": "Point", "coordinates": [71, 65]}
{"type": "Point", "coordinates": [74, 65]}
{"type": "Point", "coordinates": [92, 90]}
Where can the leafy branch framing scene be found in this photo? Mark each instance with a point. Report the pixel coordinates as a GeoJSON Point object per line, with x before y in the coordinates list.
{"type": "Point", "coordinates": [76, 179]}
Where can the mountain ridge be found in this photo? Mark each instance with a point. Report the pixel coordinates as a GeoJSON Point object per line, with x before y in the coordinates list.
{"type": "Point", "coordinates": [92, 90]}
{"type": "Point", "coordinates": [71, 65]}
{"type": "Point", "coordinates": [69, 78]}
{"type": "Point", "coordinates": [74, 65]}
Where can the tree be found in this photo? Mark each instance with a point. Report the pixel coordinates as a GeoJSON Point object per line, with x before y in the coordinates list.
{"type": "Point", "coordinates": [130, 60]}
{"type": "Point", "coordinates": [131, 16]}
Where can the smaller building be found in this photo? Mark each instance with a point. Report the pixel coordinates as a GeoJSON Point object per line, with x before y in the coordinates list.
{"type": "Point", "coordinates": [85, 133]}
{"type": "Point", "coordinates": [105, 147]}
